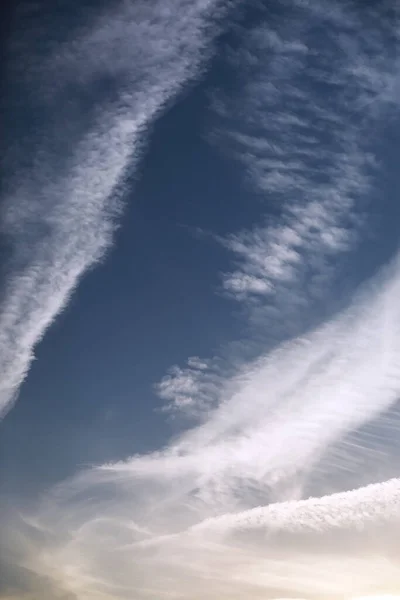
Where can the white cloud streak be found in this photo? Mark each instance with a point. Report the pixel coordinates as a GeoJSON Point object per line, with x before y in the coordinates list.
{"type": "Point", "coordinates": [59, 215]}
{"type": "Point", "coordinates": [311, 95]}
{"type": "Point", "coordinates": [221, 512]}
{"type": "Point", "coordinates": [224, 511]}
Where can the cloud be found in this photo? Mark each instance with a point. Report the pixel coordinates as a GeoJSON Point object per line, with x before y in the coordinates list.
{"type": "Point", "coordinates": [222, 511]}
{"type": "Point", "coordinates": [352, 509]}
{"type": "Point", "coordinates": [192, 390]}
{"type": "Point", "coordinates": [60, 211]}
{"type": "Point", "coordinates": [237, 506]}
{"type": "Point", "coordinates": [308, 97]}
{"type": "Point", "coordinates": [304, 114]}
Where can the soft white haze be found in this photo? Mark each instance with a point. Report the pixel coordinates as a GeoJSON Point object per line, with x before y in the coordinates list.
{"type": "Point", "coordinates": [184, 522]}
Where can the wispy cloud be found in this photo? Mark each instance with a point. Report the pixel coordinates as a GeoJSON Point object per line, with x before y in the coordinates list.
{"type": "Point", "coordinates": [59, 214]}
{"type": "Point", "coordinates": [224, 511]}
{"type": "Point", "coordinates": [309, 94]}
{"type": "Point", "coordinates": [221, 511]}
{"type": "Point", "coordinates": [191, 390]}
{"type": "Point", "coordinates": [309, 99]}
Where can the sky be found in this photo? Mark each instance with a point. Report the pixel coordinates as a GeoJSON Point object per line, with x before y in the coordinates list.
{"type": "Point", "coordinates": [199, 314]}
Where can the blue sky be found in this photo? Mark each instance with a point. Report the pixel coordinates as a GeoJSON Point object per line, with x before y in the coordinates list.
{"type": "Point", "coordinates": [199, 320]}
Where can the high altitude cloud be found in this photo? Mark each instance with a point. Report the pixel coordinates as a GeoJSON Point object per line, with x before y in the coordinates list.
{"type": "Point", "coordinates": [97, 93]}
{"type": "Point", "coordinates": [222, 512]}
{"type": "Point", "coordinates": [259, 500]}
{"type": "Point", "coordinates": [311, 90]}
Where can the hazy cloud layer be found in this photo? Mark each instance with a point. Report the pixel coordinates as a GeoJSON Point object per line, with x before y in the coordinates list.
{"type": "Point", "coordinates": [223, 512]}
{"type": "Point", "coordinates": [288, 487]}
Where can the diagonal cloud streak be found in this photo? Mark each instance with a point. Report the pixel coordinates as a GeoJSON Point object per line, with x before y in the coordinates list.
{"type": "Point", "coordinates": [221, 512]}
{"type": "Point", "coordinates": [314, 85]}
{"type": "Point", "coordinates": [237, 506]}
{"type": "Point", "coordinates": [59, 214]}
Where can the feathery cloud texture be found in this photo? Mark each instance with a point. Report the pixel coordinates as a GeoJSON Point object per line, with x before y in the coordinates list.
{"type": "Point", "coordinates": [222, 512]}
{"type": "Point", "coordinates": [59, 214]}
{"type": "Point", "coordinates": [311, 91]}
{"type": "Point", "coordinates": [272, 494]}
